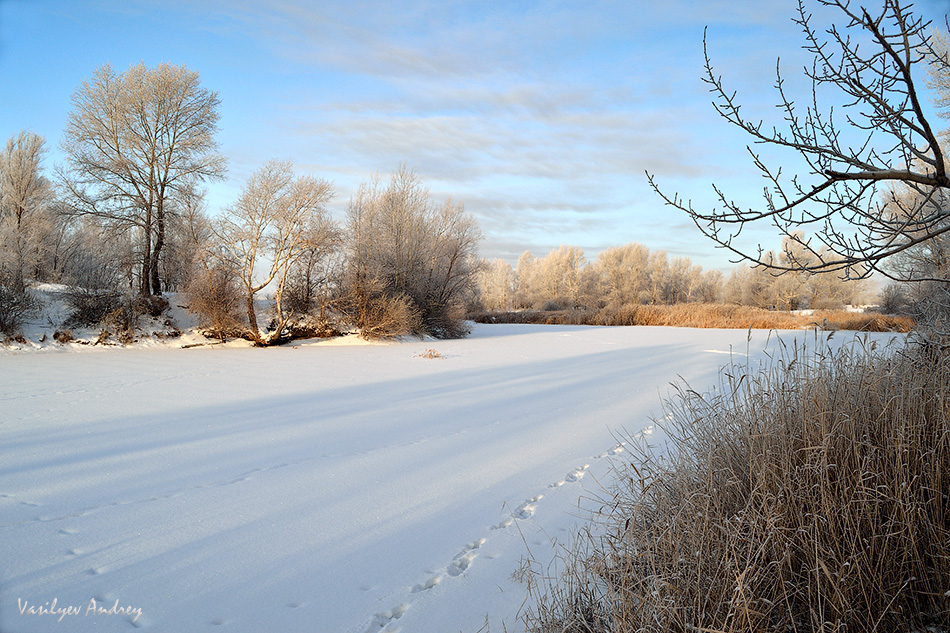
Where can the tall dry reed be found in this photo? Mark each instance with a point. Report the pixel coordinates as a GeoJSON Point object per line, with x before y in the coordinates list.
{"type": "Point", "coordinates": [705, 315]}
{"type": "Point", "coordinates": [812, 496]}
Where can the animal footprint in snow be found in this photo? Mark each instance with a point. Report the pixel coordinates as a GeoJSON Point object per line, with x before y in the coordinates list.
{"type": "Point", "coordinates": [460, 564]}
{"type": "Point", "coordinates": [429, 584]}
{"type": "Point", "coordinates": [616, 450]}
{"type": "Point", "coordinates": [526, 509]}
{"type": "Point", "coordinates": [385, 621]}
{"type": "Point", "coordinates": [505, 523]}
{"type": "Point", "coordinates": [464, 558]}
{"type": "Point", "coordinates": [577, 474]}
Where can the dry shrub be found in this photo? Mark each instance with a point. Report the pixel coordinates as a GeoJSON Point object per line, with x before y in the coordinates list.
{"type": "Point", "coordinates": [63, 336]}
{"type": "Point", "coordinates": [444, 321]}
{"type": "Point", "coordinates": [386, 317]}
{"type": "Point", "coordinates": [214, 296]}
{"type": "Point", "coordinates": [810, 497]}
{"type": "Point", "coordinates": [15, 306]}
{"type": "Point", "coordinates": [431, 354]}
{"type": "Point", "coordinates": [705, 315]}
{"type": "Point", "coordinates": [89, 308]}
{"type": "Point", "coordinates": [308, 326]}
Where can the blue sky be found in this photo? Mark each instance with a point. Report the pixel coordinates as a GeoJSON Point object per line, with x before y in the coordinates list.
{"type": "Point", "coordinates": [540, 117]}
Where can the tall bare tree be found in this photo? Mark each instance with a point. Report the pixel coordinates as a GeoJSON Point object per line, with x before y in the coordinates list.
{"type": "Point", "coordinates": [278, 219]}
{"type": "Point", "coordinates": [25, 197]}
{"type": "Point", "coordinates": [134, 141]}
{"type": "Point", "coordinates": [873, 61]}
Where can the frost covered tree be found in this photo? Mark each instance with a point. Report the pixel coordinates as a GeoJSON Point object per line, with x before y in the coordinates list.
{"type": "Point", "coordinates": [496, 285]}
{"type": "Point", "coordinates": [25, 214]}
{"type": "Point", "coordinates": [624, 273]}
{"type": "Point", "coordinates": [526, 281]}
{"type": "Point", "coordinates": [409, 253]}
{"type": "Point", "coordinates": [133, 142]}
{"type": "Point", "coordinates": [277, 220]}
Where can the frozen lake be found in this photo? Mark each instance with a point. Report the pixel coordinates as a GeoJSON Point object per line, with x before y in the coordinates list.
{"type": "Point", "coordinates": [323, 487]}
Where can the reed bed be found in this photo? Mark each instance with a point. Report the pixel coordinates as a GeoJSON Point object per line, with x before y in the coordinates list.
{"type": "Point", "coordinates": [702, 315]}
{"type": "Point", "coordinates": [811, 496]}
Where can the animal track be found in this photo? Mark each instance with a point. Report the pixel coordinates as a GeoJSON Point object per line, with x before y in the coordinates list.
{"type": "Point", "coordinates": [385, 621]}
{"type": "Point", "coordinates": [464, 558]}
{"type": "Point", "coordinates": [616, 450]}
{"type": "Point", "coordinates": [575, 475]}
{"type": "Point", "coordinates": [503, 524]}
{"type": "Point", "coordinates": [526, 509]}
{"type": "Point", "coordinates": [460, 564]}
{"type": "Point", "coordinates": [429, 584]}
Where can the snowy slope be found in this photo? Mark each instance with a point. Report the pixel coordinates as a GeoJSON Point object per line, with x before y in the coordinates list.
{"type": "Point", "coordinates": [323, 487]}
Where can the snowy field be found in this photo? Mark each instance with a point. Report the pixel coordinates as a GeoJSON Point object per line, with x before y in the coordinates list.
{"type": "Point", "coordinates": [323, 487]}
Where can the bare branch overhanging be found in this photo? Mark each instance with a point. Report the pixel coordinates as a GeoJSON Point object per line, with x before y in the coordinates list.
{"type": "Point", "coordinates": [862, 203]}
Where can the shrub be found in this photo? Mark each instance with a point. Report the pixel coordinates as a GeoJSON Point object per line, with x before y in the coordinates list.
{"type": "Point", "coordinates": [214, 296]}
{"type": "Point", "coordinates": [893, 298]}
{"type": "Point", "coordinates": [152, 305]}
{"type": "Point", "coordinates": [553, 305]}
{"type": "Point", "coordinates": [15, 306]}
{"type": "Point", "coordinates": [388, 317]}
{"type": "Point", "coordinates": [63, 336]}
{"type": "Point", "coordinates": [89, 308]}
{"type": "Point", "coordinates": [311, 327]}
{"type": "Point", "coordinates": [810, 497]}
{"type": "Point", "coordinates": [444, 321]}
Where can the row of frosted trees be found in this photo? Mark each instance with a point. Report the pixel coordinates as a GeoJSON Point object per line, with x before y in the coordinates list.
{"type": "Point", "coordinates": [124, 220]}
{"type": "Point", "coordinates": [633, 274]}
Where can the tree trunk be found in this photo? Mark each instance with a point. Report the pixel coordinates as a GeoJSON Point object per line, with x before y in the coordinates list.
{"type": "Point", "coordinates": [144, 281]}
{"type": "Point", "coordinates": [155, 282]}
{"type": "Point", "coordinates": [252, 318]}
{"type": "Point", "coordinates": [146, 265]}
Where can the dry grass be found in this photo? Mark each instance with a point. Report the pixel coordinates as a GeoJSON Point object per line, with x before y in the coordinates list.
{"type": "Point", "coordinates": [431, 354]}
{"type": "Point", "coordinates": [810, 497]}
{"type": "Point", "coordinates": [702, 315]}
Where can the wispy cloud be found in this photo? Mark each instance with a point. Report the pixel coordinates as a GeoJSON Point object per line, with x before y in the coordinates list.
{"type": "Point", "coordinates": [540, 116]}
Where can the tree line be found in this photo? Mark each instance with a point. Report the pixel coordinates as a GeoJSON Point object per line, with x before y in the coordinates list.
{"type": "Point", "coordinates": [632, 274]}
{"type": "Point", "coordinates": [125, 220]}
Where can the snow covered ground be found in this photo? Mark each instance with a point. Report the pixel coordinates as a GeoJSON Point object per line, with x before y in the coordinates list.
{"type": "Point", "coordinates": [321, 487]}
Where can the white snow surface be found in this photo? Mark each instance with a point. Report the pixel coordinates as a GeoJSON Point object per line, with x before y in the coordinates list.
{"type": "Point", "coordinates": [320, 487]}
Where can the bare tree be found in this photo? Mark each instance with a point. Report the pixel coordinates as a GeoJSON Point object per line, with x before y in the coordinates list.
{"type": "Point", "coordinates": [403, 247]}
{"type": "Point", "coordinates": [496, 285]}
{"type": "Point", "coordinates": [25, 198]}
{"type": "Point", "coordinates": [624, 273]}
{"type": "Point", "coordinates": [269, 229]}
{"type": "Point", "coordinates": [312, 274]}
{"type": "Point", "coordinates": [133, 142]}
{"type": "Point", "coordinates": [870, 62]}
{"type": "Point", "coordinates": [526, 280]}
